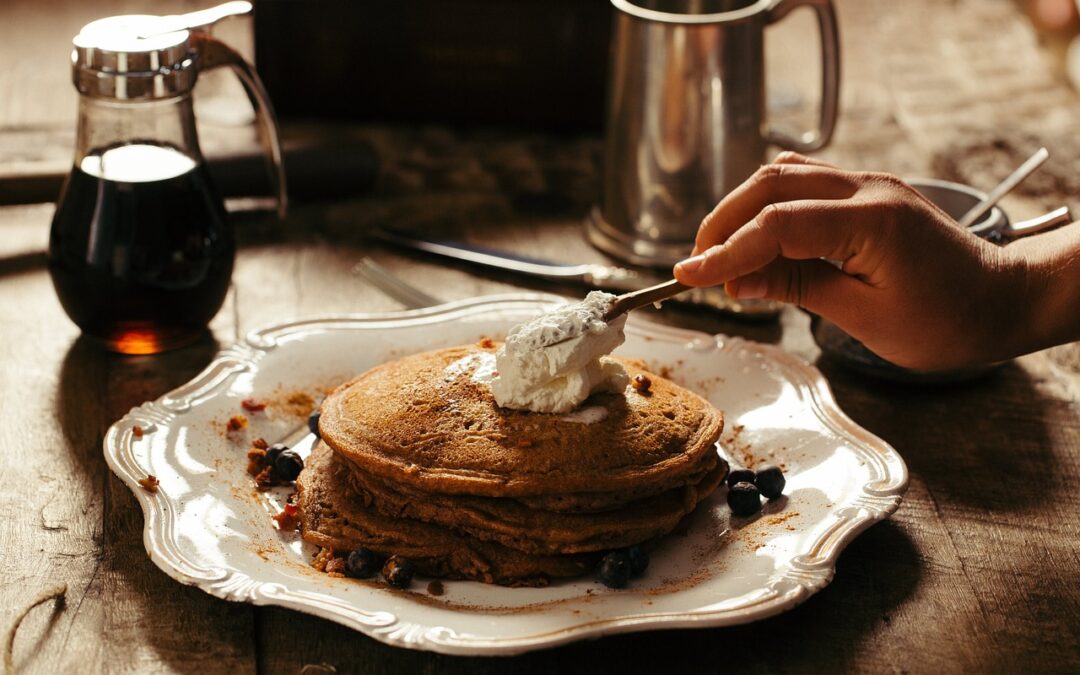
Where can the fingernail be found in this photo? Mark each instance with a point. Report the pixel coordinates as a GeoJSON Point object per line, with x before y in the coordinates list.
{"type": "Point", "coordinates": [751, 287]}
{"type": "Point", "coordinates": [691, 265]}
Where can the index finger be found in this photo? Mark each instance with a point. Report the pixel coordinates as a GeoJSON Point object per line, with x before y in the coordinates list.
{"type": "Point", "coordinates": [771, 184]}
{"type": "Point", "coordinates": [791, 157]}
{"type": "Point", "coordinates": [796, 230]}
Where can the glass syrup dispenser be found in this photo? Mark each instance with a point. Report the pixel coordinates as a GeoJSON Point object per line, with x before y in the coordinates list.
{"type": "Point", "coordinates": [141, 250]}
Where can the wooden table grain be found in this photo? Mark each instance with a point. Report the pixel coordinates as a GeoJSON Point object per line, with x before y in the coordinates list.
{"type": "Point", "coordinates": [977, 572]}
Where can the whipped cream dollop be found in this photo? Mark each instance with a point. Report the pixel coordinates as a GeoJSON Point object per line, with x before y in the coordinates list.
{"type": "Point", "coordinates": [554, 362]}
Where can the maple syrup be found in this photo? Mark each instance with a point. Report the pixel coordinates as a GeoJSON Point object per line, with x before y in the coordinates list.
{"type": "Point", "coordinates": [140, 252]}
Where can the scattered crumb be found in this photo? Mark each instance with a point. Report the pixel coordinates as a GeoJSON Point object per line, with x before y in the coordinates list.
{"type": "Point", "coordinates": [260, 443]}
{"type": "Point", "coordinates": [264, 480]}
{"type": "Point", "coordinates": [321, 558]}
{"type": "Point", "coordinates": [335, 567]}
{"type": "Point", "coordinates": [288, 519]}
{"type": "Point", "coordinates": [137, 431]}
{"type": "Point", "coordinates": [236, 423]}
{"type": "Point", "coordinates": [487, 343]}
{"type": "Point", "coordinates": [435, 588]}
{"type": "Point", "coordinates": [256, 460]}
{"type": "Point", "coordinates": [253, 405]}
{"type": "Point", "coordinates": [150, 483]}
{"type": "Point", "coordinates": [641, 384]}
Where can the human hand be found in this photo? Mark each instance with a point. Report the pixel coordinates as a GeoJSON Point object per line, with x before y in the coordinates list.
{"type": "Point", "coordinates": [913, 286]}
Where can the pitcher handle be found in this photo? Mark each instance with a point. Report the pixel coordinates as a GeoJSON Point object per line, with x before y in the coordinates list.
{"type": "Point", "coordinates": [215, 54]}
{"type": "Point", "coordinates": [830, 76]}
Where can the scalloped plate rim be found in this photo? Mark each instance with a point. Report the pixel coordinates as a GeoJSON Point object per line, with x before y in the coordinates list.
{"type": "Point", "coordinates": [266, 593]}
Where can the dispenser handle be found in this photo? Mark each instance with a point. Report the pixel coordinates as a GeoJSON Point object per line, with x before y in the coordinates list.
{"type": "Point", "coordinates": [830, 76]}
{"type": "Point", "coordinates": [202, 18]}
{"type": "Point", "coordinates": [215, 54]}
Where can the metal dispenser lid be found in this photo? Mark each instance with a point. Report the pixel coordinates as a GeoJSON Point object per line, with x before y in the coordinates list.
{"type": "Point", "coordinates": [141, 56]}
{"type": "Point", "coordinates": [129, 57]}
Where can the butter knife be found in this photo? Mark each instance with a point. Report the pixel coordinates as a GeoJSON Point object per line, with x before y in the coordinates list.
{"type": "Point", "coordinates": [606, 277]}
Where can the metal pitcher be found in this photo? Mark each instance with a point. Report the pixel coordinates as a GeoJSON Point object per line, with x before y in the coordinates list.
{"type": "Point", "coordinates": [686, 117]}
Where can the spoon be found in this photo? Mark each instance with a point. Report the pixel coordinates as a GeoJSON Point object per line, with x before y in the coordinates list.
{"type": "Point", "coordinates": [1004, 187]}
{"type": "Point", "coordinates": [633, 300]}
{"type": "Point", "coordinates": [646, 296]}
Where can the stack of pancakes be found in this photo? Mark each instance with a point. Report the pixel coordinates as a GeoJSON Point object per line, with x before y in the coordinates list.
{"type": "Point", "coordinates": [418, 460]}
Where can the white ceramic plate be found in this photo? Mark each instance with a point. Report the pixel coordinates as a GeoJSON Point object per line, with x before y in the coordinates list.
{"type": "Point", "coordinates": [208, 527]}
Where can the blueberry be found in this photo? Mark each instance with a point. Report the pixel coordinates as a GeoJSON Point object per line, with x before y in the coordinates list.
{"type": "Point", "coordinates": [274, 451]}
{"type": "Point", "coordinates": [740, 476]}
{"type": "Point", "coordinates": [362, 563]}
{"type": "Point", "coordinates": [313, 422]}
{"type": "Point", "coordinates": [615, 569]}
{"type": "Point", "coordinates": [744, 499]}
{"type": "Point", "coordinates": [398, 571]}
{"type": "Point", "coordinates": [771, 481]}
{"type": "Point", "coordinates": [639, 560]}
{"type": "Point", "coordinates": [288, 465]}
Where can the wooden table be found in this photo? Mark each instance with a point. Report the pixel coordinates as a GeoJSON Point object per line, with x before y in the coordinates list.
{"type": "Point", "coordinates": [977, 571]}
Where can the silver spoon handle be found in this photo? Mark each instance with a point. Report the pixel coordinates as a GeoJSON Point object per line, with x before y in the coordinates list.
{"type": "Point", "coordinates": [1004, 187]}
{"type": "Point", "coordinates": [646, 296]}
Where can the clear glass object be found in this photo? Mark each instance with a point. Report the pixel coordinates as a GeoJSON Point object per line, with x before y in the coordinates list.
{"type": "Point", "coordinates": [140, 251]}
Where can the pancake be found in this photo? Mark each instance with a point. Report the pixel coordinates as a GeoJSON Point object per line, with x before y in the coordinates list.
{"type": "Point", "coordinates": [598, 502]}
{"type": "Point", "coordinates": [334, 515]}
{"type": "Point", "coordinates": [417, 459]}
{"type": "Point", "coordinates": [516, 525]}
{"type": "Point", "coordinates": [429, 422]}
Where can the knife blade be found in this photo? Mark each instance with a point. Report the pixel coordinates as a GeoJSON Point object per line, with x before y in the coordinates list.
{"type": "Point", "coordinates": [607, 277]}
